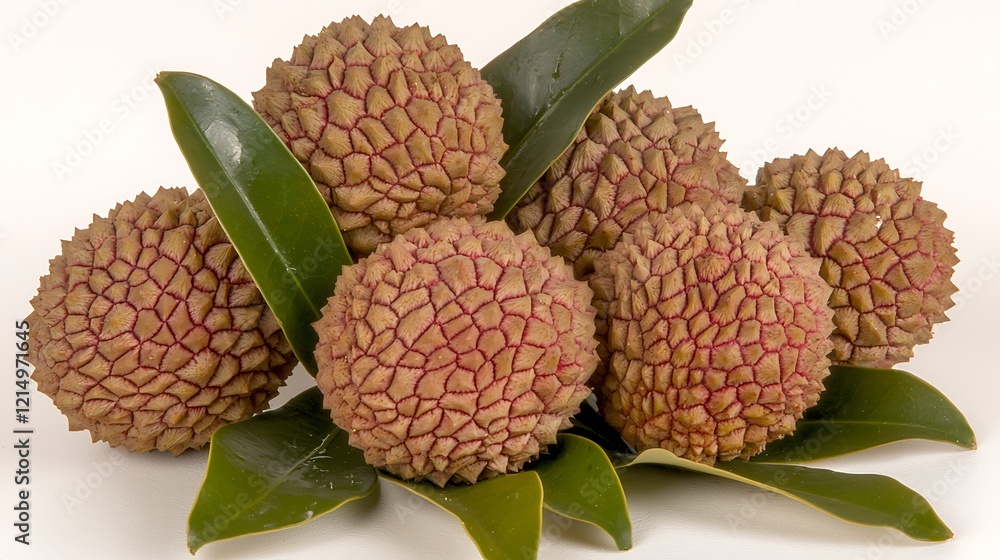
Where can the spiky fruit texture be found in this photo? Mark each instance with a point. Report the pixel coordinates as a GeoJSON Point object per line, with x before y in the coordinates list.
{"type": "Point", "coordinates": [395, 127]}
{"type": "Point", "coordinates": [715, 332]}
{"type": "Point", "coordinates": [149, 332]}
{"type": "Point", "coordinates": [635, 154]}
{"type": "Point", "coordinates": [885, 250]}
{"type": "Point", "coordinates": [456, 352]}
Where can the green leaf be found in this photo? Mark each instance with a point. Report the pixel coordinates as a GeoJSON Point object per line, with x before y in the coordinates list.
{"type": "Point", "coordinates": [863, 408]}
{"type": "Point", "coordinates": [265, 201]}
{"type": "Point", "coordinates": [581, 483]}
{"type": "Point", "coordinates": [503, 515]}
{"type": "Point", "coordinates": [867, 499]}
{"type": "Point", "coordinates": [278, 469]}
{"type": "Point", "coordinates": [550, 80]}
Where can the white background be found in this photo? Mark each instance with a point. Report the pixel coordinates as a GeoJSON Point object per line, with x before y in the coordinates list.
{"type": "Point", "coordinates": [913, 81]}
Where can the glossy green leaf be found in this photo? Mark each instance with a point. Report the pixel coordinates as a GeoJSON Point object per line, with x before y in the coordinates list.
{"type": "Point", "coordinates": [266, 202]}
{"type": "Point", "coordinates": [867, 499]}
{"type": "Point", "coordinates": [581, 483]}
{"type": "Point", "coordinates": [863, 408]}
{"type": "Point", "coordinates": [278, 469]}
{"type": "Point", "coordinates": [550, 80]}
{"type": "Point", "coordinates": [503, 515]}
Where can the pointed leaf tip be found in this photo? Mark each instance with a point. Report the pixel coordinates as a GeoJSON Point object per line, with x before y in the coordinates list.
{"type": "Point", "coordinates": [866, 499]}
{"type": "Point", "coordinates": [863, 408]}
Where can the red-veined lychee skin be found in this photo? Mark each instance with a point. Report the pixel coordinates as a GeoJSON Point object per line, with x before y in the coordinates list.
{"type": "Point", "coordinates": [635, 154]}
{"type": "Point", "coordinates": [885, 249]}
{"type": "Point", "coordinates": [456, 351]}
{"type": "Point", "coordinates": [149, 332]}
{"type": "Point", "coordinates": [714, 330]}
{"type": "Point", "coordinates": [394, 126]}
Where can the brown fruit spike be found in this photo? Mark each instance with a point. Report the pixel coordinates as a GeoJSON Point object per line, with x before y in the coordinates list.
{"type": "Point", "coordinates": [714, 331]}
{"type": "Point", "coordinates": [635, 154]}
{"type": "Point", "coordinates": [456, 352]}
{"type": "Point", "coordinates": [148, 331]}
{"type": "Point", "coordinates": [885, 250]}
{"type": "Point", "coordinates": [394, 126]}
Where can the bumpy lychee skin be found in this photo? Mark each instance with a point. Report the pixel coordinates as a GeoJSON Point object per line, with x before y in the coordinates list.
{"type": "Point", "coordinates": [715, 332]}
{"type": "Point", "coordinates": [394, 126]}
{"type": "Point", "coordinates": [456, 352]}
{"type": "Point", "coordinates": [635, 154]}
{"type": "Point", "coordinates": [148, 332]}
{"type": "Point", "coordinates": [885, 250]}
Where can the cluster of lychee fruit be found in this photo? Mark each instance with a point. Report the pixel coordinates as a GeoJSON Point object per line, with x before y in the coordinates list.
{"type": "Point", "coordinates": [702, 313]}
